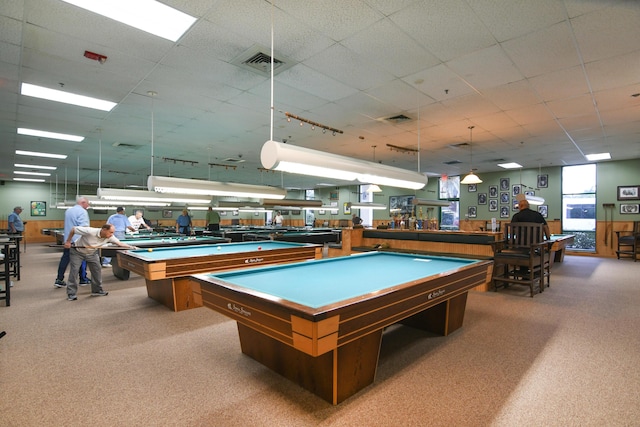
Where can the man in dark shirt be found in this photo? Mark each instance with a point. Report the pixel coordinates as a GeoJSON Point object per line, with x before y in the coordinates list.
{"type": "Point", "coordinates": [527, 215]}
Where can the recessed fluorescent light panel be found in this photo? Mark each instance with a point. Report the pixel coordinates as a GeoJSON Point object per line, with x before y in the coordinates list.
{"type": "Point", "coordinates": [66, 97]}
{"type": "Point", "coordinates": [511, 165]}
{"type": "Point", "coordinates": [28, 179]}
{"type": "Point", "coordinates": [52, 135]}
{"type": "Point", "coordinates": [146, 15]}
{"type": "Point", "coordinates": [599, 156]}
{"type": "Point", "coordinates": [38, 154]}
{"type": "Point", "coordinates": [21, 165]}
{"type": "Point", "coordinates": [32, 173]}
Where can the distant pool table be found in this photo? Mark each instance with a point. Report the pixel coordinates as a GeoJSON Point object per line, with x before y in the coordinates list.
{"type": "Point", "coordinates": [320, 323]}
{"type": "Point", "coordinates": [153, 243]}
{"type": "Point", "coordinates": [559, 243]}
{"type": "Point", "coordinates": [166, 270]}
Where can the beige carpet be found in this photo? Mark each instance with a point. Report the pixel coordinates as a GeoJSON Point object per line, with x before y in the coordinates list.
{"type": "Point", "coordinates": [568, 357]}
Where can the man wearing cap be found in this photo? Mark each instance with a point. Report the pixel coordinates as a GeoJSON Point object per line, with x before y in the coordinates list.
{"type": "Point", "coordinates": [16, 226]}
{"type": "Point", "coordinates": [120, 223]}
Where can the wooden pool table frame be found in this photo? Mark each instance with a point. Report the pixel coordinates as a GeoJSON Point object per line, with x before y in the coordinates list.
{"type": "Point", "coordinates": [167, 280]}
{"type": "Point", "coordinates": [333, 351]}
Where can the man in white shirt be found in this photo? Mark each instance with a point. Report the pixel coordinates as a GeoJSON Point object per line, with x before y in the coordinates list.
{"type": "Point", "coordinates": [86, 248]}
{"type": "Point", "coordinates": [137, 221]}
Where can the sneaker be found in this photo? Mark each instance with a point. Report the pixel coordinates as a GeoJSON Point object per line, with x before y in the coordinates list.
{"type": "Point", "coordinates": [99, 294]}
{"type": "Point", "coordinates": [106, 265]}
{"type": "Point", "coordinates": [71, 298]}
{"type": "Point", "coordinates": [85, 282]}
{"type": "Point", "coordinates": [60, 283]}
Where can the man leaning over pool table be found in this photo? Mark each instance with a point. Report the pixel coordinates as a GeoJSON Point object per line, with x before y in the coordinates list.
{"type": "Point", "coordinates": [86, 249]}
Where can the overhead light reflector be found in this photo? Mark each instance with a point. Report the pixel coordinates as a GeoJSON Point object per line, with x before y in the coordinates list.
{"type": "Point", "coordinates": [165, 184]}
{"type": "Point", "coordinates": [39, 154]}
{"type": "Point", "coordinates": [289, 158]}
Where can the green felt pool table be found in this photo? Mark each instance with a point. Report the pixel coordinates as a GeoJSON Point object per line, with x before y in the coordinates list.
{"type": "Point", "coordinates": [559, 243]}
{"type": "Point", "coordinates": [166, 270]}
{"type": "Point", "coordinates": [320, 323]}
{"type": "Point", "coordinates": [149, 242]}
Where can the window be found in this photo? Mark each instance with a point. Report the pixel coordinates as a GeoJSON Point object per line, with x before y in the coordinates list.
{"type": "Point", "coordinates": [579, 205]}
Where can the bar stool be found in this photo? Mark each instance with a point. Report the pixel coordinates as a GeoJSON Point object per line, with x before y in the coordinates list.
{"type": "Point", "coordinates": [5, 293]}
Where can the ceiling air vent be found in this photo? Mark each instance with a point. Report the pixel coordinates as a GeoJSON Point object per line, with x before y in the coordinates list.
{"type": "Point", "coordinates": [258, 60]}
{"type": "Point", "coordinates": [456, 146]}
{"type": "Point", "coordinates": [452, 162]}
{"type": "Point", "coordinates": [400, 118]}
{"type": "Point", "coordinates": [125, 145]}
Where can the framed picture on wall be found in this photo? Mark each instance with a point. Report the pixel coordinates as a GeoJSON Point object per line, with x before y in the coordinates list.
{"type": "Point", "coordinates": [504, 212]}
{"type": "Point", "coordinates": [626, 208]}
{"type": "Point", "coordinates": [472, 212]}
{"type": "Point", "coordinates": [517, 189]}
{"type": "Point", "coordinates": [346, 208]}
{"type": "Point", "coordinates": [321, 212]}
{"type": "Point", "coordinates": [543, 209]}
{"type": "Point", "coordinates": [472, 188]}
{"type": "Point", "coordinates": [629, 192]}
{"type": "Point", "coordinates": [493, 191]}
{"type": "Point", "coordinates": [504, 198]}
{"type": "Point", "coordinates": [482, 198]}
{"type": "Point", "coordinates": [493, 205]}
{"type": "Point", "coordinates": [38, 208]}
{"type": "Point", "coordinates": [504, 184]}
{"type": "Point", "coordinates": [223, 213]}
{"type": "Point", "coordinates": [543, 181]}
{"type": "Point", "coordinates": [166, 213]}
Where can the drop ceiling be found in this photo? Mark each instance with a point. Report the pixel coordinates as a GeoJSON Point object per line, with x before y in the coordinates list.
{"type": "Point", "coordinates": [543, 82]}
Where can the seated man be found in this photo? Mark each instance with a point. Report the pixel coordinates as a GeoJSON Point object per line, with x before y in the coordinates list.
{"type": "Point", "coordinates": [525, 214]}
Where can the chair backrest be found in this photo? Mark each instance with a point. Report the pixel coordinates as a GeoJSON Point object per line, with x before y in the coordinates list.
{"type": "Point", "coordinates": [636, 227]}
{"type": "Point", "coordinates": [523, 234]}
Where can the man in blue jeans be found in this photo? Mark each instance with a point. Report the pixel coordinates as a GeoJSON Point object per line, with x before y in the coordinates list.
{"type": "Point", "coordinates": [76, 216]}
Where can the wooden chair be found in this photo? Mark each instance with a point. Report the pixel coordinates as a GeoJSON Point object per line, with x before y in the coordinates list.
{"type": "Point", "coordinates": [629, 242]}
{"type": "Point", "coordinates": [522, 257]}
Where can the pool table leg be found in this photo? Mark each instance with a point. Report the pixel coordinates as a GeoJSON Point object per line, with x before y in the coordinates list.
{"type": "Point", "coordinates": [177, 294]}
{"type": "Point", "coordinates": [118, 271]}
{"type": "Point", "coordinates": [441, 319]}
{"type": "Point", "coordinates": [334, 376]}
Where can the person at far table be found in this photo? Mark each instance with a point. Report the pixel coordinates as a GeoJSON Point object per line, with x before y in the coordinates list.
{"type": "Point", "coordinates": [213, 220]}
{"type": "Point", "coordinates": [183, 223]}
{"type": "Point", "coordinates": [277, 220]}
{"type": "Point", "coordinates": [525, 214]}
{"type": "Point", "coordinates": [73, 217]}
{"type": "Point", "coordinates": [16, 226]}
{"type": "Point", "coordinates": [121, 224]}
{"type": "Point", "coordinates": [138, 222]}
{"type": "Point", "coordinates": [85, 249]}
{"type": "Point", "coordinates": [356, 220]}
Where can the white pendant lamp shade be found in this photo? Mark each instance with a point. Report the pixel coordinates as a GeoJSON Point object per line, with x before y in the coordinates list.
{"type": "Point", "coordinates": [472, 178]}
{"type": "Point", "coordinates": [289, 158]}
{"type": "Point", "coordinates": [164, 184]}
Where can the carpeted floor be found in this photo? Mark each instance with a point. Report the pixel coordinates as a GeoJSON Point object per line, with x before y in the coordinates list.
{"type": "Point", "coordinates": [568, 357]}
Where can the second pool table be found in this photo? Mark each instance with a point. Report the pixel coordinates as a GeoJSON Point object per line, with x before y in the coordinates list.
{"type": "Point", "coordinates": [149, 242]}
{"type": "Point", "coordinates": [166, 270]}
